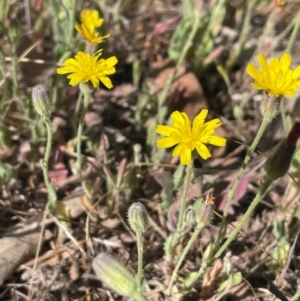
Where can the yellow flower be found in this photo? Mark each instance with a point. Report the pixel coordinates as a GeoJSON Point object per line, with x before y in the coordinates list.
{"type": "Point", "coordinates": [276, 77]}
{"type": "Point", "coordinates": [87, 68]}
{"type": "Point", "coordinates": [190, 137]}
{"type": "Point", "coordinates": [90, 21]}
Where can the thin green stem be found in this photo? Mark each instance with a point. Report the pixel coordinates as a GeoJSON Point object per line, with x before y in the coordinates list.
{"type": "Point", "coordinates": [268, 181]}
{"type": "Point", "coordinates": [201, 271]}
{"type": "Point", "coordinates": [15, 70]}
{"type": "Point", "coordinates": [44, 163]}
{"type": "Point", "coordinates": [232, 191]}
{"type": "Point", "coordinates": [174, 238]}
{"type": "Point", "coordinates": [294, 33]}
{"type": "Point", "coordinates": [182, 257]}
{"type": "Point", "coordinates": [86, 97]}
{"type": "Point", "coordinates": [77, 108]}
{"type": "Point", "coordinates": [188, 176]}
{"type": "Point", "coordinates": [283, 116]}
{"type": "Point", "coordinates": [86, 100]}
{"type": "Point", "coordinates": [140, 249]}
{"type": "Point", "coordinates": [263, 189]}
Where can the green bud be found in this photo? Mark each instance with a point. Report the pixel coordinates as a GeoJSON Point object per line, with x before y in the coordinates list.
{"type": "Point", "coordinates": [116, 276]}
{"type": "Point", "coordinates": [190, 217]}
{"type": "Point", "coordinates": [209, 252]}
{"type": "Point", "coordinates": [42, 101]}
{"type": "Point", "coordinates": [137, 217]}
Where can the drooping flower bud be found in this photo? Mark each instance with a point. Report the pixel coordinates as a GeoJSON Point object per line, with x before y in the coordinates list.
{"type": "Point", "coordinates": [205, 213]}
{"type": "Point", "coordinates": [137, 217]}
{"type": "Point", "coordinates": [279, 161]}
{"type": "Point", "coordinates": [42, 101]}
{"type": "Point", "coordinates": [116, 276]}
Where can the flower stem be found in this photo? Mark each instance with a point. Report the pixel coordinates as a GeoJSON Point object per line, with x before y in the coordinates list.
{"type": "Point", "coordinates": [266, 120]}
{"type": "Point", "coordinates": [201, 271]}
{"type": "Point", "coordinates": [15, 70]}
{"type": "Point", "coordinates": [44, 163]}
{"type": "Point", "coordinates": [86, 100]}
{"type": "Point", "coordinates": [174, 238]}
{"type": "Point", "coordinates": [184, 253]}
{"type": "Point", "coordinates": [283, 117]}
{"type": "Point", "coordinates": [140, 249]}
{"type": "Point", "coordinates": [264, 187]}
{"type": "Point", "coordinates": [294, 33]}
{"type": "Point", "coordinates": [188, 175]}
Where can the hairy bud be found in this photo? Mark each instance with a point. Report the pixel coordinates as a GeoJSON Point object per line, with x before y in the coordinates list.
{"type": "Point", "coordinates": [42, 101]}
{"type": "Point", "coordinates": [137, 217]}
{"type": "Point", "coordinates": [116, 276]}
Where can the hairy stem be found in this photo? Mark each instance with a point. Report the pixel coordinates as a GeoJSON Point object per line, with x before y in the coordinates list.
{"type": "Point", "coordinates": [232, 191]}
{"type": "Point", "coordinates": [182, 257]}
{"type": "Point", "coordinates": [140, 249]}
{"type": "Point", "coordinates": [52, 198]}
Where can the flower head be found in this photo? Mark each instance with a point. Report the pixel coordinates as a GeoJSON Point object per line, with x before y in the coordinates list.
{"type": "Point", "coordinates": [275, 77]}
{"type": "Point", "coordinates": [90, 21]}
{"type": "Point", "coordinates": [87, 68]}
{"type": "Point", "coordinates": [189, 137]}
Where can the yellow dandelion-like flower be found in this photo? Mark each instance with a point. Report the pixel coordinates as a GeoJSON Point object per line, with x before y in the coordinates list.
{"type": "Point", "coordinates": [90, 18]}
{"type": "Point", "coordinates": [189, 137]}
{"type": "Point", "coordinates": [87, 68]}
{"type": "Point", "coordinates": [90, 21]}
{"type": "Point", "coordinates": [276, 77]}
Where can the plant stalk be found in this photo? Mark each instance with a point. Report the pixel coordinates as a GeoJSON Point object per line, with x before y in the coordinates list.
{"type": "Point", "coordinates": [52, 198]}
{"type": "Point", "coordinates": [231, 193]}
{"type": "Point", "coordinates": [182, 257]}
{"type": "Point", "coordinates": [140, 249]}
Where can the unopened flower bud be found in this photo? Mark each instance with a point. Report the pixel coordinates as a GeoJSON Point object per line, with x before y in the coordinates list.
{"type": "Point", "coordinates": [205, 213]}
{"type": "Point", "coordinates": [42, 101]}
{"type": "Point", "coordinates": [137, 217]}
{"type": "Point", "coordinates": [279, 161]}
{"type": "Point", "coordinates": [190, 217]}
{"type": "Point", "coordinates": [116, 276]}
